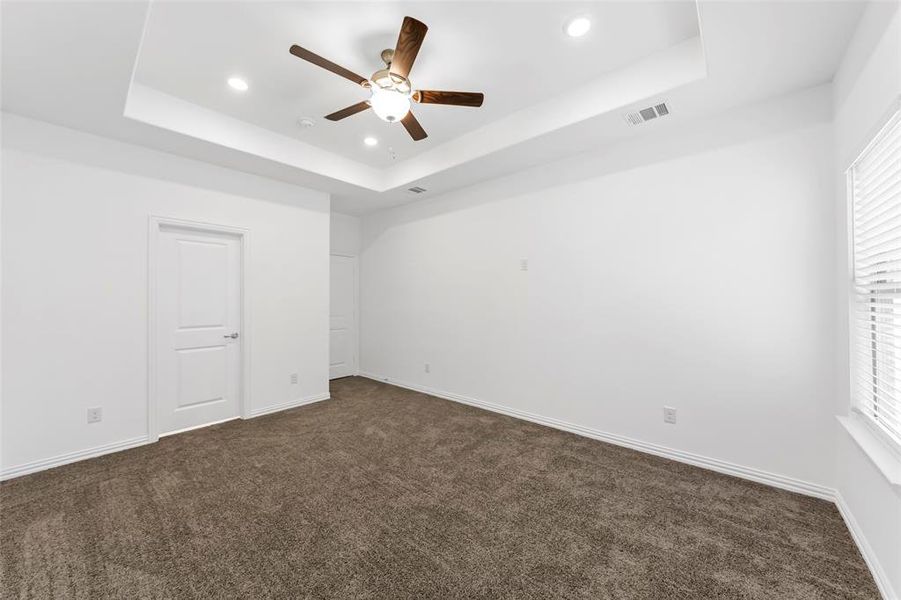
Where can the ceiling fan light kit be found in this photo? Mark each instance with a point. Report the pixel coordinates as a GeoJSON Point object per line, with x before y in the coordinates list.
{"type": "Point", "coordinates": [391, 93]}
{"type": "Point", "coordinates": [389, 104]}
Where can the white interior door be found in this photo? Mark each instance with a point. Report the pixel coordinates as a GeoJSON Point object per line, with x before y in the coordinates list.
{"type": "Point", "coordinates": [199, 328]}
{"type": "Point", "coordinates": [343, 321]}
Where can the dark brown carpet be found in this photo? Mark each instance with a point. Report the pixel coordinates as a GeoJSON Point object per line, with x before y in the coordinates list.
{"type": "Point", "coordinates": [386, 493]}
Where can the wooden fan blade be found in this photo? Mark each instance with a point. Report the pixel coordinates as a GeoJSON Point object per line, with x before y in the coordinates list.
{"type": "Point", "coordinates": [412, 33]}
{"type": "Point", "coordinates": [473, 99]}
{"type": "Point", "coordinates": [326, 64]}
{"type": "Point", "coordinates": [413, 127]}
{"type": "Point", "coordinates": [346, 112]}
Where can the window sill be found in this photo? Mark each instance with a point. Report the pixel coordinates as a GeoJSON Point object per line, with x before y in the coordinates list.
{"type": "Point", "coordinates": [887, 462]}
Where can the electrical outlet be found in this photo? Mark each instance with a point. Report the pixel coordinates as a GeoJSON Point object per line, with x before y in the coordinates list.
{"type": "Point", "coordinates": [95, 415]}
{"type": "Point", "coordinates": [428, 368]}
{"type": "Point", "coordinates": [523, 264]}
{"type": "Point", "coordinates": [669, 415]}
{"type": "Point", "coordinates": [294, 378]}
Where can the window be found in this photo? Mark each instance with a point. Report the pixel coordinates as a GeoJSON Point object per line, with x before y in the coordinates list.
{"type": "Point", "coordinates": [874, 182]}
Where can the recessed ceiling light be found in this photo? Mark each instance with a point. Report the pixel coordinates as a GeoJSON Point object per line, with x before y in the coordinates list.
{"type": "Point", "coordinates": [237, 83]}
{"type": "Point", "coordinates": [370, 141]}
{"type": "Point", "coordinates": [577, 27]}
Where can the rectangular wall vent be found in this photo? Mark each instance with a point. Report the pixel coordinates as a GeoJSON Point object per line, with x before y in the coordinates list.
{"type": "Point", "coordinates": [646, 114]}
{"type": "Point", "coordinates": [416, 190]}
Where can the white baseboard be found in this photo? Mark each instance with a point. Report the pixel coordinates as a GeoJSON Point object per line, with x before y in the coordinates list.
{"type": "Point", "coordinates": [765, 477]}
{"type": "Point", "coordinates": [258, 412]}
{"type": "Point", "coordinates": [71, 457]}
{"type": "Point", "coordinates": [775, 480]}
{"type": "Point", "coordinates": [869, 556]}
{"type": "Point", "coordinates": [780, 481]}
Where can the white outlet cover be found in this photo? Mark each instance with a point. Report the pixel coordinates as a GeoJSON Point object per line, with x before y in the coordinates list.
{"type": "Point", "coordinates": [669, 415]}
{"type": "Point", "coordinates": [95, 415]}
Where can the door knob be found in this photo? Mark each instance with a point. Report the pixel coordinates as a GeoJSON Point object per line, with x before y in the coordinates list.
{"type": "Point", "coordinates": [233, 336]}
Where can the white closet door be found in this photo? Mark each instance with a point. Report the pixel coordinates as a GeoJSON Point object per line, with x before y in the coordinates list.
{"type": "Point", "coordinates": [343, 321]}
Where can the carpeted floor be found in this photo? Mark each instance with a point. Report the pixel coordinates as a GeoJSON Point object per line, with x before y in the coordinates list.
{"type": "Point", "coordinates": [386, 493]}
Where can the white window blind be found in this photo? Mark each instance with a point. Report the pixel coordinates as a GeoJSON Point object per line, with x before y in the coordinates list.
{"type": "Point", "coordinates": [875, 186]}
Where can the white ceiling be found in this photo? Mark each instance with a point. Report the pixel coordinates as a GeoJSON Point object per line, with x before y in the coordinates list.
{"type": "Point", "coordinates": [517, 54]}
{"type": "Point", "coordinates": [72, 63]}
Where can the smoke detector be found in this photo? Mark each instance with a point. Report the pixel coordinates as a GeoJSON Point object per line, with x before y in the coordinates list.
{"type": "Point", "coordinates": [646, 114]}
{"type": "Point", "coordinates": [305, 122]}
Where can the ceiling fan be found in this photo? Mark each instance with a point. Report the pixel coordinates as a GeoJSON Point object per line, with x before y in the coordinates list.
{"type": "Point", "coordinates": [390, 88]}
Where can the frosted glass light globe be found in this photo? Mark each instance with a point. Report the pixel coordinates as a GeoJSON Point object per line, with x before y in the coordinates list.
{"type": "Point", "coordinates": [389, 105]}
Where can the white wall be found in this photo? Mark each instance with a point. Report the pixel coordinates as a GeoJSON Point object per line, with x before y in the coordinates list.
{"type": "Point", "coordinates": [346, 234]}
{"type": "Point", "coordinates": [865, 87]}
{"type": "Point", "coordinates": [74, 261]}
{"type": "Point", "coordinates": [687, 270]}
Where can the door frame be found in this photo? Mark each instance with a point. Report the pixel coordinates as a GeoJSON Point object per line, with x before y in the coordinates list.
{"type": "Point", "coordinates": [155, 225]}
{"type": "Point", "coordinates": [356, 340]}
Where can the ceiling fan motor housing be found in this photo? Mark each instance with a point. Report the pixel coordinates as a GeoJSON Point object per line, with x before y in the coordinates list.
{"type": "Point", "coordinates": [387, 80]}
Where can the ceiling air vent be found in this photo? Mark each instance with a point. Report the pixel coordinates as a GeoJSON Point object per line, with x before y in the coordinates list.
{"type": "Point", "coordinates": [416, 190]}
{"type": "Point", "coordinates": [646, 114]}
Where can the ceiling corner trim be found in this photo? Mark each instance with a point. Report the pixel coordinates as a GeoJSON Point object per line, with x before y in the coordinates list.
{"type": "Point", "coordinates": [659, 73]}
{"type": "Point", "coordinates": [152, 107]}
{"type": "Point", "coordinates": [653, 75]}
